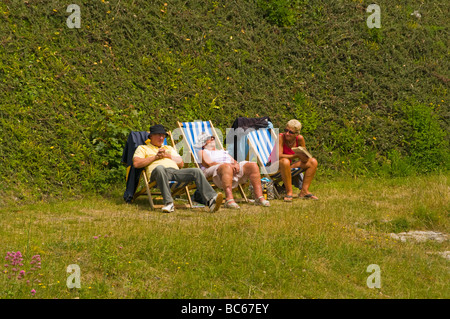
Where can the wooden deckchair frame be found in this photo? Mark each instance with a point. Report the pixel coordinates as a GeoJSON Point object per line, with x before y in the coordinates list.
{"type": "Point", "coordinates": [151, 185]}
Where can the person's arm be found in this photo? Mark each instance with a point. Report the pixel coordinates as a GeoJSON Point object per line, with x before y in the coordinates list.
{"type": "Point", "coordinates": [301, 141]}
{"type": "Point", "coordinates": [174, 156]}
{"type": "Point", "coordinates": [206, 159]}
{"type": "Point", "coordinates": [234, 164]}
{"type": "Point", "coordinates": [208, 162]}
{"type": "Point", "coordinates": [139, 159]}
{"type": "Point", "coordinates": [140, 162]}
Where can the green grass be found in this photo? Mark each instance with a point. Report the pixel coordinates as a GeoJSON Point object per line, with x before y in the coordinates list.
{"type": "Point", "coordinates": [308, 249]}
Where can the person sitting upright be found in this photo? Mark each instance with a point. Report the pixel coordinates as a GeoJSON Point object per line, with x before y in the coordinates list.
{"type": "Point", "coordinates": [226, 173]}
{"type": "Point", "coordinates": [288, 159]}
{"type": "Point", "coordinates": [164, 164]}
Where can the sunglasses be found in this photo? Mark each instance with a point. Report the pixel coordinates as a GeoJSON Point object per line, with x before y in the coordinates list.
{"type": "Point", "coordinates": [289, 131]}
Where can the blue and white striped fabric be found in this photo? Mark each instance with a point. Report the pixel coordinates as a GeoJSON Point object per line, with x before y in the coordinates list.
{"type": "Point", "coordinates": [192, 130]}
{"type": "Point", "coordinates": [264, 142]}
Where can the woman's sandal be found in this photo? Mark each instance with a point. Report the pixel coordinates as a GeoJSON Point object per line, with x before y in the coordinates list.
{"type": "Point", "coordinates": [288, 198]}
{"type": "Point", "coordinates": [262, 201]}
{"type": "Point", "coordinates": [230, 203]}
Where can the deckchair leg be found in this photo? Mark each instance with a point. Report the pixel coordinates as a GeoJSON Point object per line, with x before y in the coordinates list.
{"type": "Point", "coordinates": [275, 191]}
{"type": "Point", "coordinates": [189, 197]}
{"type": "Point", "coordinates": [241, 190]}
{"type": "Point", "coordinates": [149, 193]}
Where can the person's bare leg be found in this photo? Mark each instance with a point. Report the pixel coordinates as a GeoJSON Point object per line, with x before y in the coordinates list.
{"type": "Point", "coordinates": [251, 170]}
{"type": "Point", "coordinates": [285, 170]}
{"type": "Point", "coordinates": [225, 172]}
{"type": "Point", "coordinates": [310, 170]}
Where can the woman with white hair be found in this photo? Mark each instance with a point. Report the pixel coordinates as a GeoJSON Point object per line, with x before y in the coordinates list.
{"type": "Point", "coordinates": [288, 159]}
{"type": "Point", "coordinates": [227, 173]}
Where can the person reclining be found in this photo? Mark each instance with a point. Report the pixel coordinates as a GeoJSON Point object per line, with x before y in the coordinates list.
{"type": "Point", "coordinates": [164, 164]}
{"type": "Point", "coordinates": [226, 173]}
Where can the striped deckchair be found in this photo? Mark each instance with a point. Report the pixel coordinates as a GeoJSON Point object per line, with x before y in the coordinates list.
{"type": "Point", "coordinates": [175, 187]}
{"type": "Point", "coordinates": [261, 143]}
{"type": "Point", "coordinates": [190, 131]}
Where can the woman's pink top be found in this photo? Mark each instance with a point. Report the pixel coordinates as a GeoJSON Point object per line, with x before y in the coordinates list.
{"type": "Point", "coordinates": [286, 149]}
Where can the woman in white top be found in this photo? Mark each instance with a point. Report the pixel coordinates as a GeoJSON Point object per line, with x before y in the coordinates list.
{"type": "Point", "coordinates": [227, 173]}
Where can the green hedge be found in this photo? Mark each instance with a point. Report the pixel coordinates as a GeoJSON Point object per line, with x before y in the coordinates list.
{"type": "Point", "coordinates": [372, 101]}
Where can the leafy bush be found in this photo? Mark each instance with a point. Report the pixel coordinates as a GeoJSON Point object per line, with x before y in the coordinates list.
{"type": "Point", "coordinates": [425, 140]}
{"type": "Point", "coordinates": [69, 97]}
{"type": "Point", "coordinates": [278, 12]}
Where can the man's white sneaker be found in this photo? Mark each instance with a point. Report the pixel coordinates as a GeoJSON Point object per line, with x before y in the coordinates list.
{"type": "Point", "coordinates": [168, 208]}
